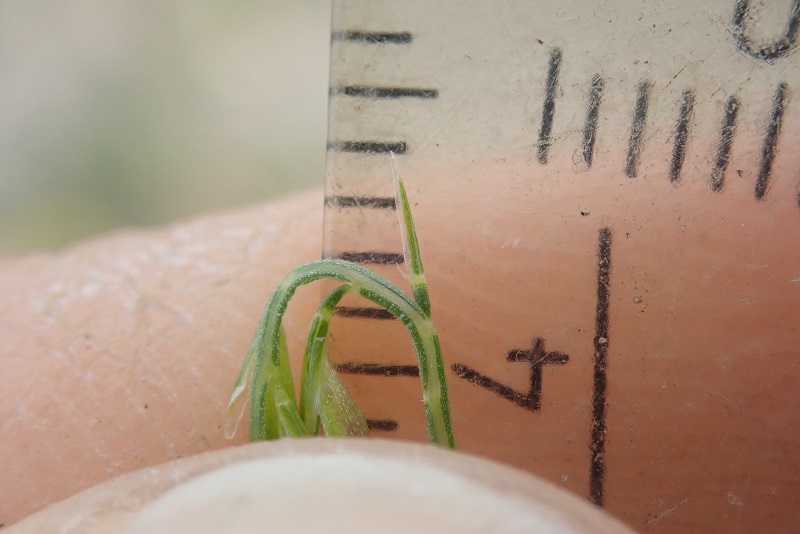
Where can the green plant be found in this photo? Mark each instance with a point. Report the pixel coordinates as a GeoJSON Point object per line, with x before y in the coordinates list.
{"type": "Point", "coordinates": [324, 401]}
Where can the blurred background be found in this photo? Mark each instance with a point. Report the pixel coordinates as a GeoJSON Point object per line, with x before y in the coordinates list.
{"type": "Point", "coordinates": [120, 113]}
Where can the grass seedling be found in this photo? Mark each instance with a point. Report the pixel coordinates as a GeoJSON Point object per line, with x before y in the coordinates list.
{"type": "Point", "coordinates": [324, 401]}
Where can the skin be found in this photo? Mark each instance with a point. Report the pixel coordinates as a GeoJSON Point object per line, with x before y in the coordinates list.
{"type": "Point", "coordinates": [119, 354]}
{"type": "Point", "coordinates": [350, 484]}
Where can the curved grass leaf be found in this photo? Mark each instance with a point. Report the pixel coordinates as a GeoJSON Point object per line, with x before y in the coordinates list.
{"type": "Point", "coordinates": [324, 400]}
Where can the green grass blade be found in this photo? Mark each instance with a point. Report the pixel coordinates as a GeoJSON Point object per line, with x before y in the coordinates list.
{"type": "Point", "coordinates": [435, 392]}
{"type": "Point", "coordinates": [319, 381]}
{"type": "Point", "coordinates": [282, 417]}
{"type": "Point", "coordinates": [408, 234]}
{"type": "Point", "coordinates": [314, 354]}
{"type": "Point", "coordinates": [382, 292]}
{"type": "Point", "coordinates": [429, 355]}
{"type": "Point", "coordinates": [271, 428]}
{"type": "Point", "coordinates": [268, 381]}
{"type": "Point", "coordinates": [291, 424]}
{"type": "Point", "coordinates": [323, 397]}
{"type": "Point", "coordinates": [309, 380]}
{"type": "Point", "coordinates": [265, 344]}
{"type": "Point", "coordinates": [283, 374]}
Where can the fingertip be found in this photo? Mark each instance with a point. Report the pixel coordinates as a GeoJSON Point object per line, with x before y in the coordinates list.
{"type": "Point", "coordinates": [335, 485]}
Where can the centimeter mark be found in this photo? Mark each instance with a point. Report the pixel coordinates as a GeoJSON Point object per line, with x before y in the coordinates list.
{"type": "Point", "coordinates": [597, 447]}
{"type": "Point", "coordinates": [537, 356]}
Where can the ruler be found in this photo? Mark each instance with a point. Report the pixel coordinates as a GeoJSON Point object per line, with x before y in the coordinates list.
{"type": "Point", "coordinates": [607, 197]}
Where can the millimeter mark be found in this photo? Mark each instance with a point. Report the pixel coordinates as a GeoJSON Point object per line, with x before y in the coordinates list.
{"type": "Point", "coordinates": [726, 134]}
{"type": "Point", "coordinates": [369, 147]}
{"type": "Point", "coordinates": [638, 123]}
{"type": "Point", "coordinates": [373, 37]}
{"type": "Point", "coordinates": [377, 369]}
{"type": "Point", "coordinates": [549, 106]}
{"type": "Point", "coordinates": [385, 425]}
{"type": "Point", "coordinates": [681, 135]}
{"type": "Point", "coordinates": [376, 257]}
{"type": "Point", "coordinates": [377, 93]}
{"type": "Point", "coordinates": [770, 146]}
{"type": "Point", "coordinates": [344, 201]}
{"type": "Point", "coordinates": [592, 115]}
{"type": "Point", "coordinates": [367, 312]}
